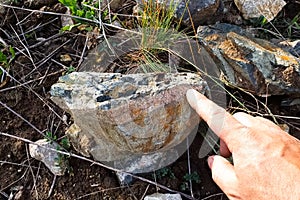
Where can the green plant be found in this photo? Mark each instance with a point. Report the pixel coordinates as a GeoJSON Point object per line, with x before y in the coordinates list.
{"type": "Point", "coordinates": [193, 177]}
{"type": "Point", "coordinates": [282, 26]}
{"type": "Point", "coordinates": [156, 23]}
{"type": "Point", "coordinates": [293, 25]}
{"type": "Point", "coordinates": [70, 69]}
{"type": "Point", "coordinates": [64, 144]}
{"type": "Point", "coordinates": [157, 15]}
{"type": "Point", "coordinates": [158, 31]}
{"type": "Point", "coordinates": [62, 159]}
{"type": "Point", "coordinates": [164, 172]}
{"type": "Point", "coordinates": [6, 57]}
{"type": "Point", "coordinates": [85, 9]}
{"type": "Point", "coordinates": [70, 27]}
{"type": "Point", "coordinates": [258, 21]}
{"type": "Point", "coordinates": [50, 136]}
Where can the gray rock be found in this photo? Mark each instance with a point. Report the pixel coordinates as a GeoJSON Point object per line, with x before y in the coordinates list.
{"type": "Point", "coordinates": [53, 160]}
{"type": "Point", "coordinates": [201, 12]}
{"type": "Point", "coordinates": [133, 122]}
{"type": "Point", "coordinates": [253, 64]}
{"type": "Point", "coordinates": [124, 178]}
{"type": "Point", "coordinates": [158, 196]}
{"type": "Point", "coordinates": [253, 9]}
{"type": "Point", "coordinates": [112, 5]}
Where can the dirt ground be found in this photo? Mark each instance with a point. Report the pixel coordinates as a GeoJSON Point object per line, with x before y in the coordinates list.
{"type": "Point", "coordinates": [26, 111]}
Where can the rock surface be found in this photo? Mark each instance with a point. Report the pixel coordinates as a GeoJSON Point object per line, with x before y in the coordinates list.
{"type": "Point", "coordinates": [253, 64]}
{"type": "Point", "coordinates": [158, 196]}
{"type": "Point", "coordinates": [134, 121]}
{"type": "Point", "coordinates": [205, 11]}
{"type": "Point", "coordinates": [112, 5]}
{"type": "Point", "coordinates": [253, 9]}
{"type": "Point", "coordinates": [53, 160]}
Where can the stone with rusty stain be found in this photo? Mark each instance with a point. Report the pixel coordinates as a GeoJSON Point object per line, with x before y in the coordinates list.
{"type": "Point", "coordinates": [128, 118]}
{"type": "Point", "coordinates": [250, 63]}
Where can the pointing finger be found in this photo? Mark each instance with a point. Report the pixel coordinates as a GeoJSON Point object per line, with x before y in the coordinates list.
{"type": "Point", "coordinates": [221, 122]}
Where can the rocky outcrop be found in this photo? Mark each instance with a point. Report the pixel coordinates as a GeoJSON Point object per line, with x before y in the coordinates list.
{"type": "Point", "coordinates": [135, 121]}
{"type": "Point", "coordinates": [253, 64]}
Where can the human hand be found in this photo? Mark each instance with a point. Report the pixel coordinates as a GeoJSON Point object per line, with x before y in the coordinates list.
{"type": "Point", "coordinates": [266, 159]}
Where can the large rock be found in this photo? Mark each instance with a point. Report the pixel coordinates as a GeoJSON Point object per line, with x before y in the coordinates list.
{"type": "Point", "coordinates": [253, 64]}
{"type": "Point", "coordinates": [195, 11]}
{"type": "Point", "coordinates": [135, 121]}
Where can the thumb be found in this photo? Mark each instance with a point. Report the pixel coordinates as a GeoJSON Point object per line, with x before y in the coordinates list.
{"type": "Point", "coordinates": [224, 175]}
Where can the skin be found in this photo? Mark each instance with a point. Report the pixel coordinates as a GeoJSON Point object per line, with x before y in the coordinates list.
{"type": "Point", "coordinates": [266, 159]}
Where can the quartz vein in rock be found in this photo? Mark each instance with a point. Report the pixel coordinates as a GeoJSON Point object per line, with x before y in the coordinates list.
{"type": "Point", "coordinates": [129, 119]}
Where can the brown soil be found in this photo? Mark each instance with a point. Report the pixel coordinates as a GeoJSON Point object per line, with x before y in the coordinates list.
{"type": "Point", "coordinates": [26, 111]}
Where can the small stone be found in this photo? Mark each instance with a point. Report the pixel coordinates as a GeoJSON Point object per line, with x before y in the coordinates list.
{"type": "Point", "coordinates": [253, 9]}
{"type": "Point", "coordinates": [66, 20]}
{"type": "Point", "coordinates": [158, 196]}
{"type": "Point", "coordinates": [19, 195]}
{"type": "Point", "coordinates": [53, 160]}
{"type": "Point", "coordinates": [124, 178]}
{"type": "Point", "coordinates": [65, 58]}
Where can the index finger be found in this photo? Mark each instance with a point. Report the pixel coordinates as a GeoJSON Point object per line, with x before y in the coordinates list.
{"type": "Point", "coordinates": [220, 121]}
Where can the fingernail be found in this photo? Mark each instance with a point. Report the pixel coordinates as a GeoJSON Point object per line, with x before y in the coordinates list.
{"type": "Point", "coordinates": [191, 96]}
{"type": "Point", "coordinates": [210, 161]}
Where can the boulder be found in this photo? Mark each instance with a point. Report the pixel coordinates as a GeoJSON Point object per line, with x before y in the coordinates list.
{"type": "Point", "coordinates": [135, 122]}
{"type": "Point", "coordinates": [253, 64]}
